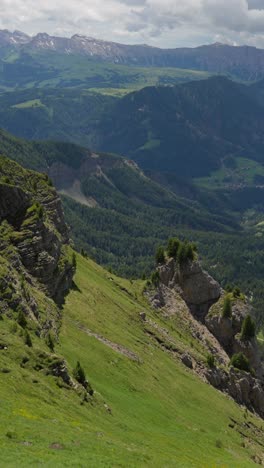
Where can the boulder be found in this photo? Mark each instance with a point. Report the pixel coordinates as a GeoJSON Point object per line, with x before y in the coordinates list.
{"type": "Point", "coordinates": [187, 360]}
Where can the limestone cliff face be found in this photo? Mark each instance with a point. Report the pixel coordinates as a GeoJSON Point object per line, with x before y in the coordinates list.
{"type": "Point", "coordinates": [218, 335]}
{"type": "Point", "coordinates": [36, 234]}
{"type": "Point", "coordinates": [199, 290]}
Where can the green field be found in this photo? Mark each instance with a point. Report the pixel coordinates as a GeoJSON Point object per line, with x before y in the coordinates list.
{"type": "Point", "coordinates": [150, 412]}
{"type": "Point", "coordinates": [53, 70]}
{"type": "Point", "coordinates": [241, 172]}
{"type": "Point", "coordinates": [29, 104]}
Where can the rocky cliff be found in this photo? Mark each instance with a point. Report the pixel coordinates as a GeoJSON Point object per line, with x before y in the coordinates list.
{"type": "Point", "coordinates": [34, 237]}
{"type": "Point", "coordinates": [189, 293]}
{"type": "Point", "coordinates": [37, 265]}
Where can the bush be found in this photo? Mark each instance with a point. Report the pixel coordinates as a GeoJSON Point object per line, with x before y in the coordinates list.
{"type": "Point", "coordinates": [189, 252]}
{"type": "Point", "coordinates": [182, 254]}
{"type": "Point", "coordinates": [236, 292]}
{"type": "Point", "coordinates": [248, 329]}
{"type": "Point", "coordinates": [155, 278]}
{"type": "Point", "coordinates": [74, 260]}
{"type": "Point", "coordinates": [160, 255]}
{"type": "Point", "coordinates": [79, 374]}
{"type": "Point", "coordinates": [239, 361]}
{"type": "Point", "coordinates": [27, 339]}
{"type": "Point", "coordinates": [50, 341]}
{"type": "Point", "coordinates": [210, 361]}
{"type": "Point", "coordinates": [227, 308]}
{"type": "Point", "coordinates": [173, 246]}
{"type": "Point", "coordinates": [21, 319]}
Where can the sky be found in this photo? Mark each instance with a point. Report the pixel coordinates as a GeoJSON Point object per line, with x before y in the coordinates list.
{"type": "Point", "coordinates": [164, 23]}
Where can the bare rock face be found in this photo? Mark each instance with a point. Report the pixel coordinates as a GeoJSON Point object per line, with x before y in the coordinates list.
{"type": "Point", "coordinates": [226, 329]}
{"type": "Point", "coordinates": [199, 289]}
{"type": "Point", "coordinates": [251, 350]}
{"type": "Point", "coordinates": [242, 386]}
{"type": "Point", "coordinates": [38, 234]}
{"type": "Point", "coordinates": [187, 360]}
{"type": "Point", "coordinates": [13, 203]}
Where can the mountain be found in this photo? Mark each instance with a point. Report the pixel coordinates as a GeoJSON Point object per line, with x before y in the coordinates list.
{"type": "Point", "coordinates": [118, 215]}
{"type": "Point", "coordinates": [243, 62]}
{"type": "Point", "coordinates": [105, 376]}
{"type": "Point", "coordinates": [208, 123]}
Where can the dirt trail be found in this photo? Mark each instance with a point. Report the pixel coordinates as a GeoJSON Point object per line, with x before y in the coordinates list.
{"type": "Point", "coordinates": [116, 347]}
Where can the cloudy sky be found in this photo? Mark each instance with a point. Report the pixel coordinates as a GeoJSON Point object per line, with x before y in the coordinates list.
{"type": "Point", "coordinates": [167, 23]}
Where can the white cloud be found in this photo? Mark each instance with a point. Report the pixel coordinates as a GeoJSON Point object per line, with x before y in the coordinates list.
{"type": "Point", "coordinates": [168, 23]}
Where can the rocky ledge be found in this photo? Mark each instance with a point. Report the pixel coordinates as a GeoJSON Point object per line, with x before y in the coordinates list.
{"type": "Point", "coordinates": [189, 286]}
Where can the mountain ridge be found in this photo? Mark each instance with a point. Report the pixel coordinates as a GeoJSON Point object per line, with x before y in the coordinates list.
{"type": "Point", "coordinates": [216, 58]}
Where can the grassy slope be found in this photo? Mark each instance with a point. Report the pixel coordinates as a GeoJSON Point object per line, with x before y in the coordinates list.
{"type": "Point", "coordinates": [161, 414]}
{"type": "Point", "coordinates": [51, 69]}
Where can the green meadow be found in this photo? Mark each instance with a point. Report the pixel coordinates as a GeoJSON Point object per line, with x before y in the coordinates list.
{"type": "Point", "coordinates": [146, 411]}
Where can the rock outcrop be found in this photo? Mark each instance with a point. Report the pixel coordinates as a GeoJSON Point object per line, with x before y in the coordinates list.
{"type": "Point", "coordinates": [198, 289]}
{"type": "Point", "coordinates": [35, 239]}
{"type": "Point", "coordinates": [204, 298]}
{"type": "Point", "coordinates": [242, 386]}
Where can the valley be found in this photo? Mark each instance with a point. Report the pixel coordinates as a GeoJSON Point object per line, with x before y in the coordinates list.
{"type": "Point", "coordinates": [131, 254]}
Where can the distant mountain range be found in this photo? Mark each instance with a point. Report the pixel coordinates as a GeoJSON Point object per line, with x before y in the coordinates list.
{"type": "Point", "coordinates": [243, 62]}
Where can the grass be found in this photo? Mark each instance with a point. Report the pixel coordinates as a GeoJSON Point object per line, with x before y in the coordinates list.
{"type": "Point", "coordinates": [148, 413]}
{"type": "Point", "coordinates": [29, 104]}
{"type": "Point", "coordinates": [52, 69]}
{"type": "Point", "coordinates": [243, 173]}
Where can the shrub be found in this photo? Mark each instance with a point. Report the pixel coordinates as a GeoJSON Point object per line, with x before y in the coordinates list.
{"type": "Point", "coordinates": [239, 361]}
{"type": "Point", "coordinates": [50, 341]}
{"type": "Point", "coordinates": [36, 208]}
{"type": "Point", "coordinates": [227, 308]}
{"type": "Point", "coordinates": [173, 246]}
{"type": "Point", "coordinates": [39, 210]}
{"type": "Point", "coordinates": [248, 328]}
{"type": "Point", "coordinates": [79, 374]}
{"type": "Point", "coordinates": [74, 260]}
{"type": "Point", "coordinates": [155, 278]}
{"type": "Point", "coordinates": [27, 339]}
{"type": "Point", "coordinates": [21, 319]}
{"type": "Point", "coordinates": [6, 180]}
{"type": "Point", "coordinates": [236, 292]}
{"type": "Point", "coordinates": [189, 252]}
{"type": "Point", "coordinates": [182, 254]}
{"type": "Point", "coordinates": [210, 361]}
{"type": "Point", "coordinates": [160, 255]}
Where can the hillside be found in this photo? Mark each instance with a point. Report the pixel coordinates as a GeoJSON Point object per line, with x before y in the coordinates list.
{"type": "Point", "coordinates": [208, 123]}
{"type": "Point", "coordinates": [244, 62]}
{"type": "Point", "coordinates": [148, 408]}
{"type": "Point", "coordinates": [52, 69]}
{"type": "Point", "coordinates": [119, 216]}
{"type": "Point", "coordinates": [99, 368]}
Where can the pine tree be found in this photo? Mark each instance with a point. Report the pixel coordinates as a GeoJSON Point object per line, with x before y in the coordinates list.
{"type": "Point", "coordinates": [248, 329]}
{"type": "Point", "coordinates": [172, 247]}
{"type": "Point", "coordinates": [227, 308]}
{"type": "Point", "coordinates": [160, 255]}
{"type": "Point", "coordinates": [79, 374]}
